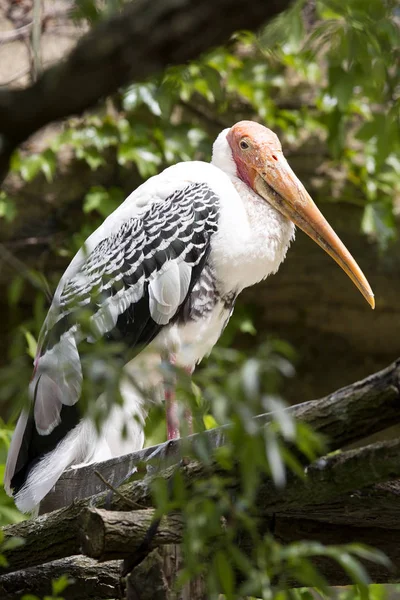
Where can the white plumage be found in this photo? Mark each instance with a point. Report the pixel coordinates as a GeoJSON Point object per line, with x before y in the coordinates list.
{"type": "Point", "coordinates": [164, 271]}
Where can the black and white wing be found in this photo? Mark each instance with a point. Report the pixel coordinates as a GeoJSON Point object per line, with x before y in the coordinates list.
{"type": "Point", "coordinates": [129, 286]}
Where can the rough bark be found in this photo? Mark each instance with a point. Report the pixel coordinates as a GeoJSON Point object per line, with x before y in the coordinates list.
{"type": "Point", "coordinates": [91, 579]}
{"type": "Point", "coordinates": [108, 534]}
{"type": "Point", "coordinates": [148, 581]}
{"type": "Point", "coordinates": [343, 417]}
{"type": "Point", "coordinates": [153, 580]}
{"type": "Point", "coordinates": [375, 506]}
{"type": "Point", "coordinates": [133, 45]}
{"type": "Point", "coordinates": [58, 534]}
{"type": "Point", "coordinates": [343, 497]}
{"type": "Point", "coordinates": [292, 530]}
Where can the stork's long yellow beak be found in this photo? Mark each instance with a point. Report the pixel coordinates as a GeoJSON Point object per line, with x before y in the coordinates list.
{"type": "Point", "coordinates": [277, 183]}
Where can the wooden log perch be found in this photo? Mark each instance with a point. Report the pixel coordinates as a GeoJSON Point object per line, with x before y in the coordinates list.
{"type": "Point", "coordinates": [140, 41]}
{"type": "Point", "coordinates": [59, 533]}
{"type": "Point", "coordinates": [346, 497]}
{"type": "Point", "coordinates": [89, 579]}
{"type": "Point", "coordinates": [106, 535]}
{"type": "Point", "coordinates": [343, 417]}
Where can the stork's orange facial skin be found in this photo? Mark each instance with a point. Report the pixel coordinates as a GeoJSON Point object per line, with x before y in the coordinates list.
{"type": "Point", "coordinates": [261, 164]}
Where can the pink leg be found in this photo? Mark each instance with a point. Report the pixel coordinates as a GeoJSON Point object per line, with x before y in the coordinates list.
{"type": "Point", "coordinates": [171, 405]}
{"type": "Point", "coordinates": [189, 421]}
{"type": "Point", "coordinates": [171, 408]}
{"type": "Point", "coordinates": [188, 412]}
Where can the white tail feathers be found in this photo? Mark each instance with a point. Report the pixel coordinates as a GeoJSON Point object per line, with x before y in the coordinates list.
{"type": "Point", "coordinates": [14, 450]}
{"type": "Point", "coordinates": [48, 470]}
{"type": "Point", "coordinates": [83, 445]}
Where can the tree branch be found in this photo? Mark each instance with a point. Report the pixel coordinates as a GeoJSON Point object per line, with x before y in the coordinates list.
{"type": "Point", "coordinates": [345, 416]}
{"type": "Point", "coordinates": [58, 534]}
{"type": "Point", "coordinates": [108, 534]}
{"type": "Point", "coordinates": [97, 581]}
{"type": "Point", "coordinates": [102, 580]}
{"type": "Point", "coordinates": [91, 579]}
{"type": "Point", "coordinates": [375, 506]}
{"type": "Point", "coordinates": [132, 45]}
{"type": "Point", "coordinates": [335, 488]}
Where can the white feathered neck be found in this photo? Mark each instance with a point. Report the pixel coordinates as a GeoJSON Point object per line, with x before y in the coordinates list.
{"type": "Point", "coordinates": [254, 237]}
{"type": "Point", "coordinates": [222, 154]}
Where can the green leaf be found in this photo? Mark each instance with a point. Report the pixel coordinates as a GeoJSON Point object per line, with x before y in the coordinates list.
{"type": "Point", "coordinates": [353, 567]}
{"type": "Point", "coordinates": [9, 514]}
{"type": "Point", "coordinates": [87, 9]}
{"type": "Point", "coordinates": [102, 200]}
{"type": "Point", "coordinates": [16, 161]}
{"type": "Point", "coordinates": [138, 94]}
{"type": "Point", "coordinates": [8, 209]}
{"type": "Point", "coordinates": [369, 129]}
{"type": "Point", "coordinates": [15, 290]}
{"type": "Point", "coordinates": [12, 543]}
{"type": "Point", "coordinates": [341, 86]}
{"type": "Point", "coordinates": [48, 164]}
{"type": "Point", "coordinates": [371, 554]}
{"type": "Point", "coordinates": [225, 573]}
{"type": "Point", "coordinates": [213, 81]}
{"type": "Point", "coordinates": [146, 161]}
{"type": "Point", "coordinates": [378, 223]}
{"type": "Point", "coordinates": [91, 156]}
{"type": "Point", "coordinates": [31, 343]}
{"type": "Point", "coordinates": [61, 584]}
{"type": "Point", "coordinates": [275, 460]}
{"type": "Point", "coordinates": [247, 326]}
{"type": "Point", "coordinates": [336, 122]}
{"type": "Point", "coordinates": [209, 422]}
{"type": "Point", "coordinates": [306, 574]}
{"type": "Point", "coordinates": [30, 166]}
{"type": "Point", "coordinates": [166, 100]}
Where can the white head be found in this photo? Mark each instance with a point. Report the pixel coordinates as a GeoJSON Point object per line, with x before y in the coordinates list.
{"type": "Point", "coordinates": [254, 154]}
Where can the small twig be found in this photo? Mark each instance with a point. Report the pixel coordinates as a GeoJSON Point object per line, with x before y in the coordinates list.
{"type": "Point", "coordinates": [43, 240]}
{"type": "Point", "coordinates": [145, 547]}
{"type": "Point", "coordinates": [109, 485]}
{"type": "Point", "coordinates": [22, 32]}
{"type": "Point", "coordinates": [10, 36]}
{"type": "Point", "coordinates": [36, 38]}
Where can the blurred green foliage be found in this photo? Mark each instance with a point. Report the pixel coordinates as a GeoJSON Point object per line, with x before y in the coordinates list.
{"type": "Point", "coordinates": [227, 539]}
{"type": "Point", "coordinates": [57, 587]}
{"type": "Point", "coordinates": [8, 512]}
{"type": "Point", "coordinates": [324, 74]}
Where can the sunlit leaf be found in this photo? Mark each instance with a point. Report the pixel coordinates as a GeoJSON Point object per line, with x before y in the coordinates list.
{"type": "Point", "coordinates": [8, 209]}
{"type": "Point", "coordinates": [59, 585]}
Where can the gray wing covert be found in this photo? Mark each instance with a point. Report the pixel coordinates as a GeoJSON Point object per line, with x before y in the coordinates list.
{"type": "Point", "coordinates": [131, 285]}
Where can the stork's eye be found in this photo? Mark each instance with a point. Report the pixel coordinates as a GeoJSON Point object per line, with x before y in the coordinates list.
{"type": "Point", "coordinates": [244, 145]}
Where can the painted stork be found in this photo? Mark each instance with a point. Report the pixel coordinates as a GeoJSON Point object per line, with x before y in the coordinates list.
{"type": "Point", "coordinates": [162, 272]}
